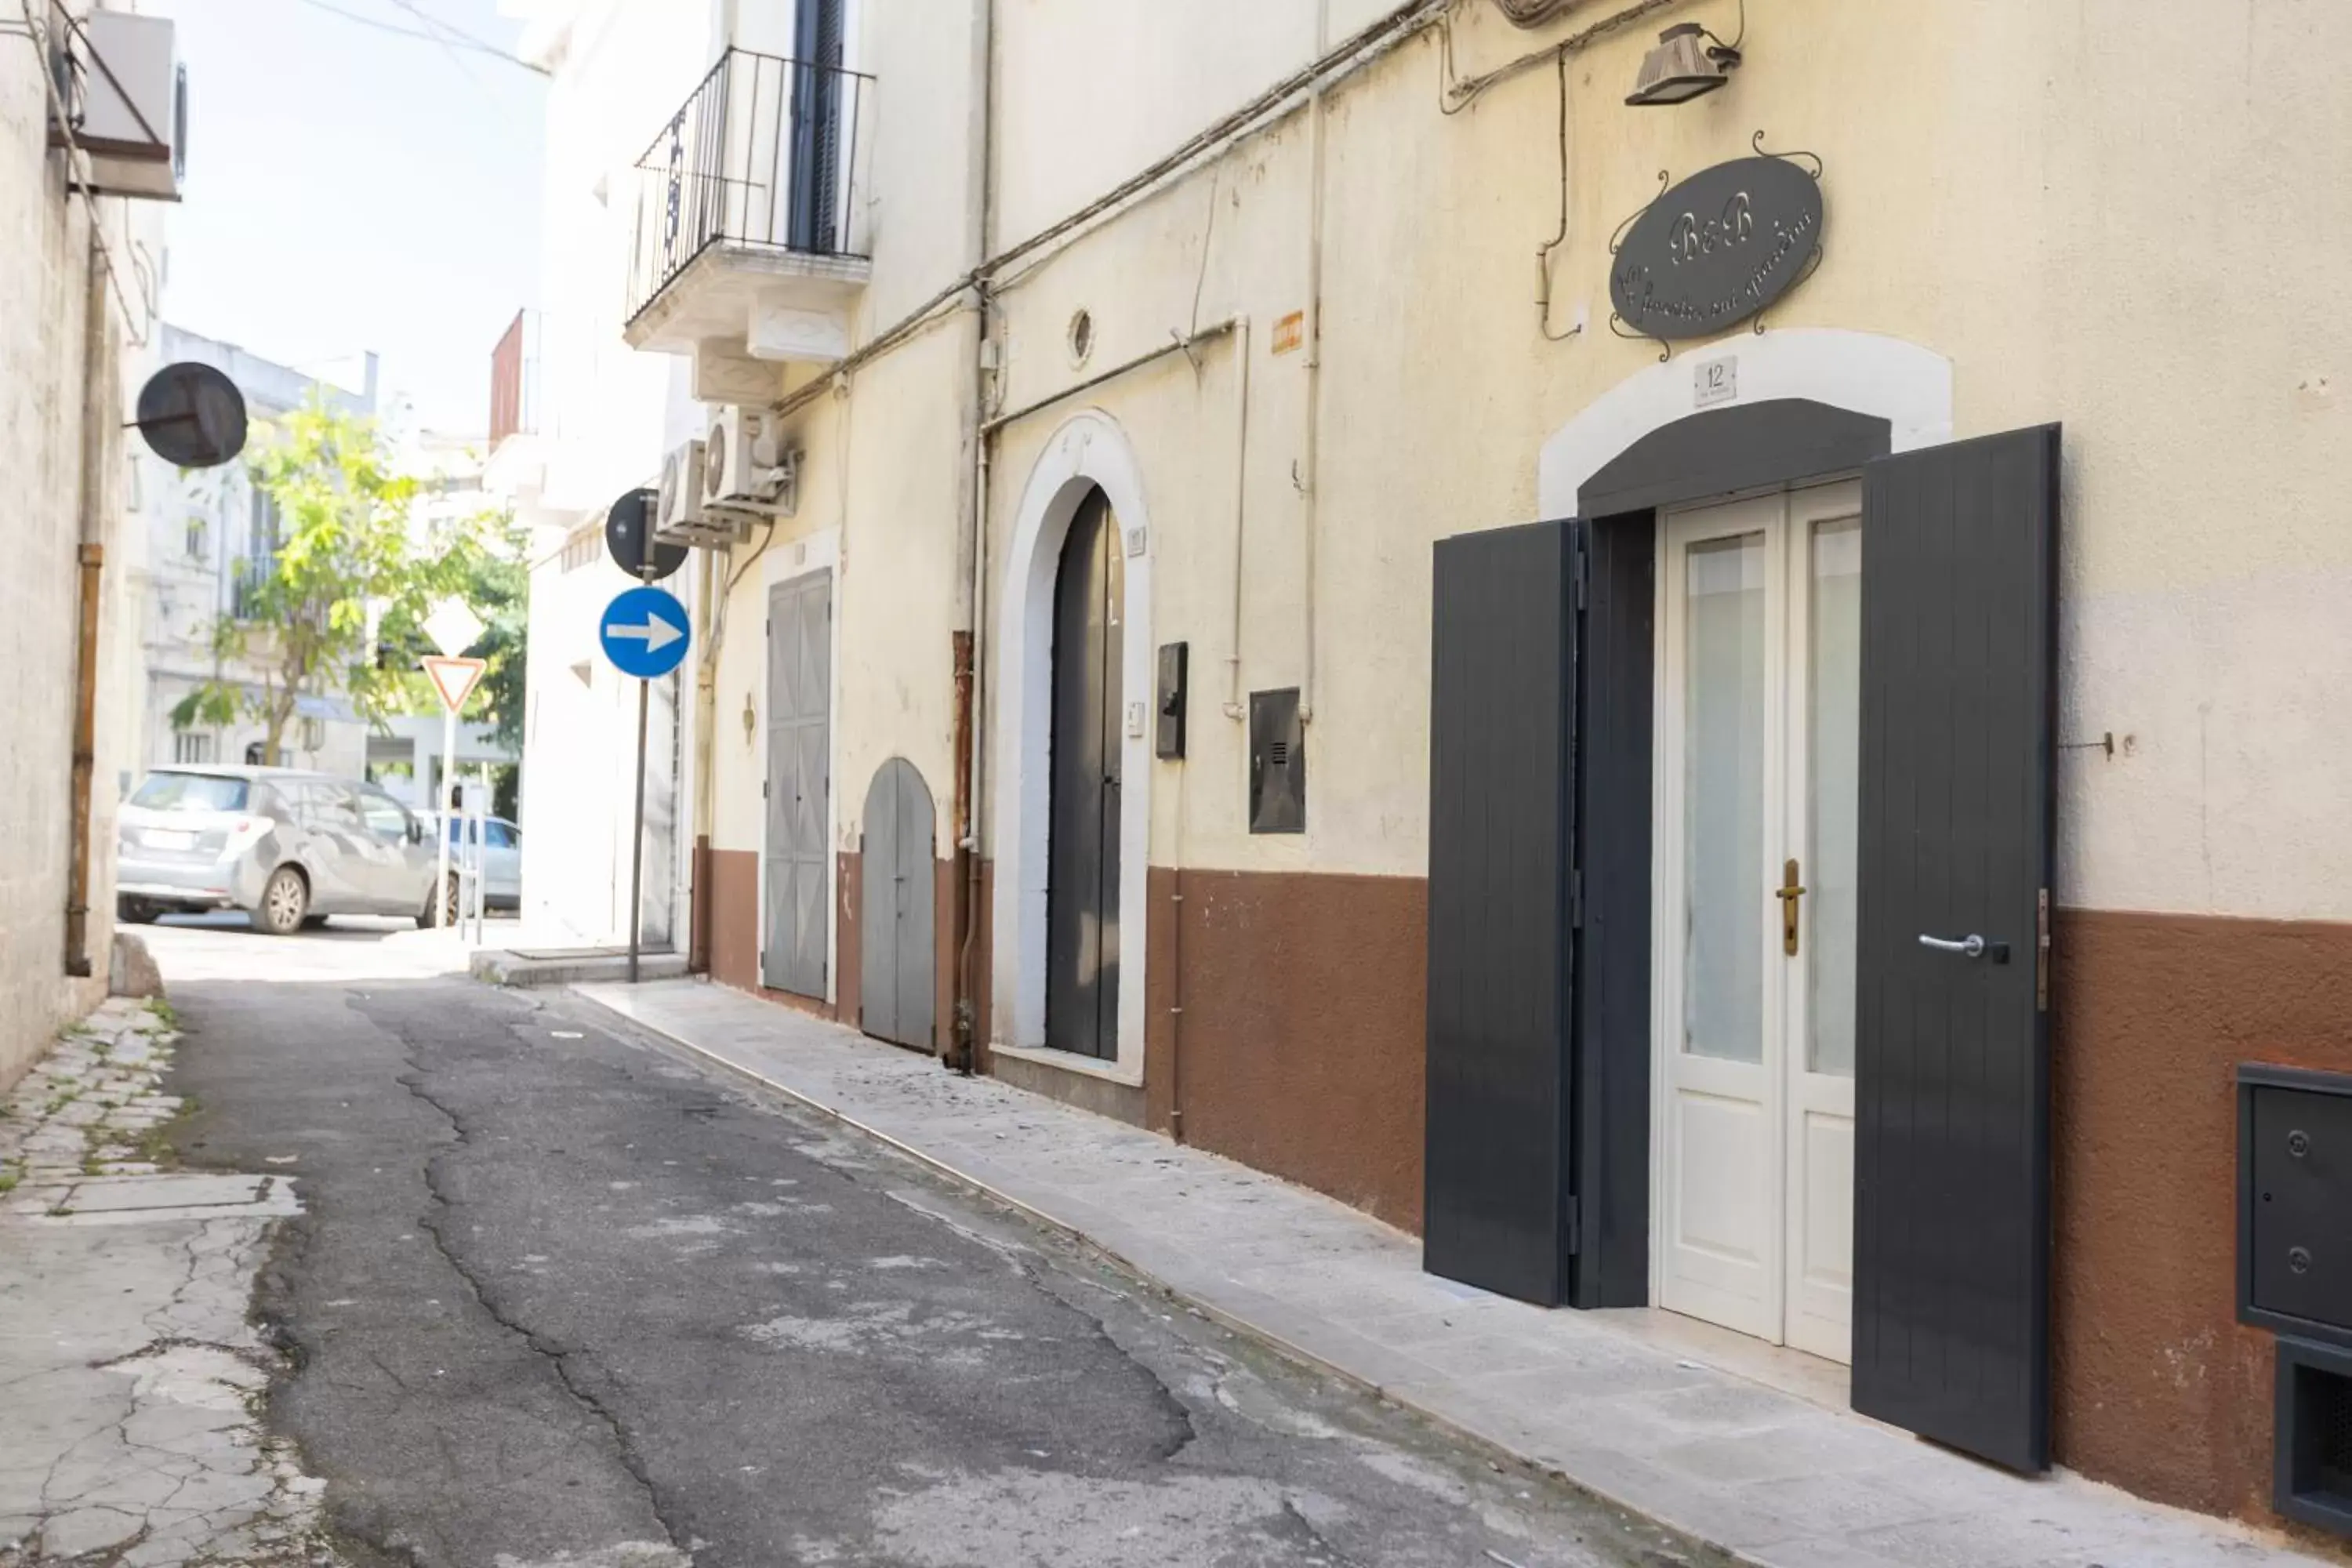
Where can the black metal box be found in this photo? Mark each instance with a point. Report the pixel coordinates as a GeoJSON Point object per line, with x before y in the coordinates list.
{"type": "Point", "coordinates": [2314, 1434]}
{"type": "Point", "coordinates": [2294, 1201]}
{"type": "Point", "coordinates": [1277, 777]}
{"type": "Point", "coordinates": [1167, 732]}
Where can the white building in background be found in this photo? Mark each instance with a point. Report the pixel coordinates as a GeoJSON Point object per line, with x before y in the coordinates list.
{"type": "Point", "coordinates": [209, 535]}
{"type": "Point", "coordinates": [579, 418]}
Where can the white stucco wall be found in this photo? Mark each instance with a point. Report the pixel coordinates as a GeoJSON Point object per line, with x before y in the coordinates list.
{"type": "Point", "coordinates": [44, 241]}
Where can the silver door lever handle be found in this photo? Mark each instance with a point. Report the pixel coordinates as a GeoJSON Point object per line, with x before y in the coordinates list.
{"type": "Point", "coordinates": [1966, 946]}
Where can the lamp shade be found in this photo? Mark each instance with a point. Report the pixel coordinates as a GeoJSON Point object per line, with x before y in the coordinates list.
{"type": "Point", "coordinates": [1679, 68]}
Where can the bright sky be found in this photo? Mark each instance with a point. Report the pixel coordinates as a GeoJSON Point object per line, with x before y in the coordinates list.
{"type": "Point", "coordinates": [350, 188]}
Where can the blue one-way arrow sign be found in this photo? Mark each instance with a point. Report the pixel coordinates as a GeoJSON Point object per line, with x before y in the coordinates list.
{"type": "Point", "coordinates": [644, 632]}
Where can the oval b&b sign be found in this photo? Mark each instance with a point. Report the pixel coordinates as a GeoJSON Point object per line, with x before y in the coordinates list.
{"type": "Point", "coordinates": [1718, 248]}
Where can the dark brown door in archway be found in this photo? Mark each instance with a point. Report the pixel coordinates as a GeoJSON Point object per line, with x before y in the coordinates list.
{"type": "Point", "coordinates": [1082, 857]}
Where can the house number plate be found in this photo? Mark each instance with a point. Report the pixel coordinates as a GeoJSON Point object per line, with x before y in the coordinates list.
{"type": "Point", "coordinates": [1714, 381]}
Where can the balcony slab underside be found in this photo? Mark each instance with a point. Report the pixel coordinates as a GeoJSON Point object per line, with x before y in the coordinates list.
{"type": "Point", "coordinates": [765, 303]}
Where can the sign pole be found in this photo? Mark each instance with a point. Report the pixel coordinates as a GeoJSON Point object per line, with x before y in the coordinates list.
{"type": "Point", "coordinates": [637, 817]}
{"type": "Point", "coordinates": [443, 813]}
{"type": "Point", "coordinates": [644, 632]}
{"type": "Point", "coordinates": [638, 836]}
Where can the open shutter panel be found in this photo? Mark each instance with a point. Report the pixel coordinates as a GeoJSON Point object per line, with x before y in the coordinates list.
{"type": "Point", "coordinates": [1501, 682]}
{"type": "Point", "coordinates": [1951, 1326]}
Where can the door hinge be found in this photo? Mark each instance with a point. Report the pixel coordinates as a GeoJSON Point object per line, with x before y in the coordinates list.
{"type": "Point", "coordinates": [2042, 954]}
{"type": "Point", "coordinates": [1580, 570]}
{"type": "Point", "coordinates": [1575, 1225]}
{"type": "Point", "coordinates": [763, 789]}
{"type": "Point", "coordinates": [1576, 900]}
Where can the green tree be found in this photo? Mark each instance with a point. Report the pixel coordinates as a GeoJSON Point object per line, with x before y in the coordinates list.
{"type": "Point", "coordinates": [498, 585]}
{"type": "Point", "coordinates": [346, 579]}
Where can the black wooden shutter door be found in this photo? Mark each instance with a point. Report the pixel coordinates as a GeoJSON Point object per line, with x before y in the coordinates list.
{"type": "Point", "coordinates": [1499, 834]}
{"type": "Point", "coordinates": [1951, 1314]}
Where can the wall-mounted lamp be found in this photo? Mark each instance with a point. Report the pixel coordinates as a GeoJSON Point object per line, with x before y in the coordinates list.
{"type": "Point", "coordinates": [1682, 68]}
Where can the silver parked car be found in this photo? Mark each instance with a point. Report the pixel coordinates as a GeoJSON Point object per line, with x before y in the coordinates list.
{"type": "Point", "coordinates": [289, 847]}
{"type": "Point", "coordinates": [501, 862]}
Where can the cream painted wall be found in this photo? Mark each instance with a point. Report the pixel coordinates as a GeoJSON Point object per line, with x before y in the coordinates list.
{"type": "Point", "coordinates": [895, 597]}
{"type": "Point", "coordinates": [2140, 254]}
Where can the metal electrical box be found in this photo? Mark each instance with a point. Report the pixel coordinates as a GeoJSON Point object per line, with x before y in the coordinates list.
{"type": "Point", "coordinates": [1168, 707]}
{"type": "Point", "coordinates": [2312, 1453]}
{"type": "Point", "coordinates": [1277, 779]}
{"type": "Point", "coordinates": [2295, 1191]}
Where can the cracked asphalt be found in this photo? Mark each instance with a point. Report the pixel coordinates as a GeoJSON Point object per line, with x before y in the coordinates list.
{"type": "Point", "coordinates": [562, 1294]}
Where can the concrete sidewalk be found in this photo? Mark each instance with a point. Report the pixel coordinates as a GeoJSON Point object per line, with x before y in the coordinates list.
{"type": "Point", "coordinates": [132, 1433]}
{"type": "Point", "coordinates": [1619, 1404]}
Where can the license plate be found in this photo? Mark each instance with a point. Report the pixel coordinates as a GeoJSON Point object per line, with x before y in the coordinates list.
{"type": "Point", "coordinates": [170, 838]}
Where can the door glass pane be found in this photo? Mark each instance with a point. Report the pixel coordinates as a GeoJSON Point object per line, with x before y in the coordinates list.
{"type": "Point", "coordinates": [1833, 682]}
{"type": "Point", "coordinates": [1723, 799]}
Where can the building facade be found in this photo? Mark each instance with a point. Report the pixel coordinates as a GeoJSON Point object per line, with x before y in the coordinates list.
{"type": "Point", "coordinates": [210, 533]}
{"type": "Point", "coordinates": [1717, 705]}
{"type": "Point", "coordinates": [79, 265]}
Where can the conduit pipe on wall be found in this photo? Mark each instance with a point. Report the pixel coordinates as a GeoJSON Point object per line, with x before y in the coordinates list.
{"type": "Point", "coordinates": [97, 418]}
{"type": "Point", "coordinates": [1310, 480]}
{"type": "Point", "coordinates": [965, 1029]}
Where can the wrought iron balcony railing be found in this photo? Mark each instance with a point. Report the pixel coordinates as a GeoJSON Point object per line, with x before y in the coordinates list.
{"type": "Point", "coordinates": [764, 156]}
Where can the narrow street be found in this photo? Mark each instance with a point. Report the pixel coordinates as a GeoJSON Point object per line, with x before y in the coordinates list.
{"type": "Point", "coordinates": [562, 1294]}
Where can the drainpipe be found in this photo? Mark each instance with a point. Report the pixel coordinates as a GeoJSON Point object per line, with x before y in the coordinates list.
{"type": "Point", "coordinates": [1310, 480]}
{"type": "Point", "coordinates": [710, 584]}
{"type": "Point", "coordinates": [1234, 707]}
{"type": "Point", "coordinates": [968, 646]}
{"type": "Point", "coordinates": [95, 415]}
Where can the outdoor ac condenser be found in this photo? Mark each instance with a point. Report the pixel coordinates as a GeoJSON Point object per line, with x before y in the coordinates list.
{"type": "Point", "coordinates": [127, 96]}
{"type": "Point", "coordinates": [744, 465]}
{"type": "Point", "coordinates": [679, 516]}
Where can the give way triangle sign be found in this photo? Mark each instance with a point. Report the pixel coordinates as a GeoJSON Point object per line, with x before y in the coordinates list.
{"type": "Point", "coordinates": [454, 679]}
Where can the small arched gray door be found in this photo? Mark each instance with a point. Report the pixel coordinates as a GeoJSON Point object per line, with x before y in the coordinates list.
{"type": "Point", "coordinates": [894, 923]}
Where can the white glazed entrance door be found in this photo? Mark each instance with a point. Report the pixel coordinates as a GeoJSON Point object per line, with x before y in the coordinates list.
{"type": "Point", "coordinates": [1758, 698]}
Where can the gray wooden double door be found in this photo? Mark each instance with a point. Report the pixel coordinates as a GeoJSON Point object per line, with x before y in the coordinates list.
{"type": "Point", "coordinates": [894, 920]}
{"type": "Point", "coordinates": [800, 735]}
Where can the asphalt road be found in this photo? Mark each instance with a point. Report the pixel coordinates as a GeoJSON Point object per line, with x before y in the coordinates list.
{"type": "Point", "coordinates": [563, 1295]}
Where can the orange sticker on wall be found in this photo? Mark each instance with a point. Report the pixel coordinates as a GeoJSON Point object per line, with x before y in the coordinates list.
{"type": "Point", "coordinates": [1289, 331]}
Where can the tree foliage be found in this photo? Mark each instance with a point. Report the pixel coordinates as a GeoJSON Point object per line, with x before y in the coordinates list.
{"type": "Point", "coordinates": [346, 583]}
{"type": "Point", "coordinates": [498, 587]}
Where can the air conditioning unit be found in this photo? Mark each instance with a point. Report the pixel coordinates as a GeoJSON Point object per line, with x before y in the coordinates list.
{"type": "Point", "coordinates": [679, 515]}
{"type": "Point", "coordinates": [745, 468]}
{"type": "Point", "coordinates": [126, 96]}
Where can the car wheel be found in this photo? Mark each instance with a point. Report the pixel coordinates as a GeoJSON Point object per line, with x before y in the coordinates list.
{"type": "Point", "coordinates": [284, 901]}
{"type": "Point", "coordinates": [136, 911]}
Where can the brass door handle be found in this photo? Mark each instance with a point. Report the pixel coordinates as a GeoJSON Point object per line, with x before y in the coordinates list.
{"type": "Point", "coordinates": [1791, 893]}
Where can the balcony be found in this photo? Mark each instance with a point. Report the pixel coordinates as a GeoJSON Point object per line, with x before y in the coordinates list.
{"type": "Point", "coordinates": [750, 244]}
{"type": "Point", "coordinates": [516, 467]}
{"type": "Point", "coordinates": [514, 381]}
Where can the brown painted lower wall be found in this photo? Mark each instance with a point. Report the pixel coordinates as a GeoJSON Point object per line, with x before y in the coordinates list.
{"type": "Point", "coordinates": [1300, 1045]}
{"type": "Point", "coordinates": [2157, 1387]}
{"type": "Point", "coordinates": [733, 936]}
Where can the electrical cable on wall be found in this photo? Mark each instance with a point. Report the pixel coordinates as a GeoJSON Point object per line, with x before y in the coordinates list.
{"type": "Point", "coordinates": [1545, 252]}
{"type": "Point", "coordinates": [1534, 13]}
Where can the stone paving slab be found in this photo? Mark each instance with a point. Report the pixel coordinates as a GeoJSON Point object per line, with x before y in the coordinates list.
{"type": "Point", "coordinates": [1775, 1479]}
{"type": "Point", "coordinates": [133, 1435]}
